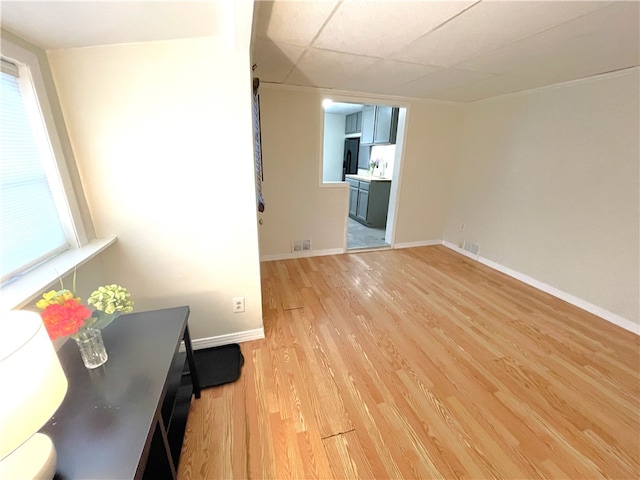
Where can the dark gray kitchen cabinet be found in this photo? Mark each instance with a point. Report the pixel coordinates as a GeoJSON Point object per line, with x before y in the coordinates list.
{"type": "Point", "coordinates": [369, 201]}
{"type": "Point", "coordinates": [368, 124]}
{"type": "Point", "coordinates": [379, 125]}
{"type": "Point", "coordinates": [353, 197]}
{"type": "Point", "coordinates": [386, 125]}
{"type": "Point", "coordinates": [363, 203]}
{"type": "Point", "coordinates": [353, 123]}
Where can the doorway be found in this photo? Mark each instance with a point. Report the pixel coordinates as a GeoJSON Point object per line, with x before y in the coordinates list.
{"type": "Point", "coordinates": [360, 236]}
{"type": "Point", "coordinates": [361, 149]}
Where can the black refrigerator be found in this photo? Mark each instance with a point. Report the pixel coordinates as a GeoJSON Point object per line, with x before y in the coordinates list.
{"type": "Point", "coordinates": [350, 162]}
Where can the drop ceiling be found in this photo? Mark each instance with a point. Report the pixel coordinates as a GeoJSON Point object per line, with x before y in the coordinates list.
{"type": "Point", "coordinates": [445, 50]}
{"type": "Point", "coordinates": [460, 51]}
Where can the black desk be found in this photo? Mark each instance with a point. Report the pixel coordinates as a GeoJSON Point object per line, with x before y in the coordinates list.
{"type": "Point", "coordinates": [127, 417]}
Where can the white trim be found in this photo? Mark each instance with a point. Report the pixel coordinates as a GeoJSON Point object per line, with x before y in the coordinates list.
{"type": "Point", "coordinates": [350, 96]}
{"type": "Point", "coordinates": [238, 337]}
{"type": "Point", "coordinates": [422, 243]}
{"type": "Point", "coordinates": [308, 253]}
{"type": "Point", "coordinates": [363, 97]}
{"type": "Point", "coordinates": [567, 297]}
{"type": "Point", "coordinates": [26, 288]}
{"type": "Point", "coordinates": [368, 249]}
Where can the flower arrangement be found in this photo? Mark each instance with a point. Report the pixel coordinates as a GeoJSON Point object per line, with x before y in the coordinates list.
{"type": "Point", "coordinates": [63, 313]}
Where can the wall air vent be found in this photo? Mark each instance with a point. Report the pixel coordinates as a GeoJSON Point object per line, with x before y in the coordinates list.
{"type": "Point", "coordinates": [471, 247]}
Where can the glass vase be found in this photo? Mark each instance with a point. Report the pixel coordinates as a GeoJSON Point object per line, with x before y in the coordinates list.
{"type": "Point", "coordinates": [91, 347]}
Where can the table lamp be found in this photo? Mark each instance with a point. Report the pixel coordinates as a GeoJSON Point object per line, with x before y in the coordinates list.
{"type": "Point", "coordinates": [33, 387]}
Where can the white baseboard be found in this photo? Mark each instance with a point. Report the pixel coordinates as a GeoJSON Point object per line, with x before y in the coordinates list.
{"type": "Point", "coordinates": [237, 337]}
{"type": "Point", "coordinates": [423, 243]}
{"type": "Point", "coordinates": [308, 253]}
{"type": "Point", "coordinates": [567, 297]}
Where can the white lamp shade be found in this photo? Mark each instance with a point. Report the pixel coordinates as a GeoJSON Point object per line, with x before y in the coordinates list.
{"type": "Point", "coordinates": [32, 379]}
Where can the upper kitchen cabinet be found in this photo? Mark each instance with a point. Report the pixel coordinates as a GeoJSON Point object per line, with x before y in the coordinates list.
{"type": "Point", "coordinates": [386, 125]}
{"type": "Point", "coordinates": [352, 123]}
{"type": "Point", "coordinates": [368, 124]}
{"type": "Point", "coordinates": [379, 125]}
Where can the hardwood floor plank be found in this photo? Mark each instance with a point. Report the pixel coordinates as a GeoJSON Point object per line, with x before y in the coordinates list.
{"type": "Point", "coordinates": [348, 459]}
{"type": "Point", "coordinates": [419, 363]}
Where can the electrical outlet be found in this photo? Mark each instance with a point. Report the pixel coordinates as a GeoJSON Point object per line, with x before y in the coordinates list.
{"type": "Point", "coordinates": [462, 226]}
{"type": "Point", "coordinates": [238, 304]}
{"type": "Point", "coordinates": [306, 244]}
{"type": "Point", "coordinates": [296, 246]}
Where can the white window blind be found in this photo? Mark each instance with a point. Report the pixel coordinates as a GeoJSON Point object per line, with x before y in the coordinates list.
{"type": "Point", "coordinates": [30, 227]}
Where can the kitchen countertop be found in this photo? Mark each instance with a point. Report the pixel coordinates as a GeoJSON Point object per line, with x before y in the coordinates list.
{"type": "Point", "coordinates": [368, 178]}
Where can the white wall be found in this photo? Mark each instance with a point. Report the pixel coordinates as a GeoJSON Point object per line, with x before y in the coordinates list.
{"type": "Point", "coordinates": [333, 147]}
{"type": "Point", "coordinates": [386, 155]}
{"type": "Point", "coordinates": [431, 146]}
{"type": "Point", "coordinates": [162, 135]}
{"type": "Point", "coordinates": [547, 184]}
{"type": "Point", "coordinates": [297, 207]}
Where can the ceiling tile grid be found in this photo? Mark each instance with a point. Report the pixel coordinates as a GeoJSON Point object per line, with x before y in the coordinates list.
{"type": "Point", "coordinates": [487, 26]}
{"type": "Point", "coordinates": [457, 50]}
{"type": "Point", "coordinates": [378, 29]}
{"type": "Point", "coordinates": [446, 50]}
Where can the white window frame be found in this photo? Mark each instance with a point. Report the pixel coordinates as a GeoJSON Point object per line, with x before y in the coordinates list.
{"type": "Point", "coordinates": [22, 290]}
{"type": "Point", "coordinates": [48, 140]}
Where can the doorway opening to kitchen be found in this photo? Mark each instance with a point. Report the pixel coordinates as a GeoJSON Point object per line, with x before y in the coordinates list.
{"type": "Point", "coordinates": [361, 149]}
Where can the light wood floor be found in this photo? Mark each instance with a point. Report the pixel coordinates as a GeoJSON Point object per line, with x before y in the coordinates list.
{"type": "Point", "coordinates": [419, 363]}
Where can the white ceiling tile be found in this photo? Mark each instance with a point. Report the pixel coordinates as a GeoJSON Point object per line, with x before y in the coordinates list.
{"type": "Point", "coordinates": [489, 48]}
{"type": "Point", "coordinates": [442, 79]}
{"type": "Point", "coordinates": [378, 28]}
{"type": "Point", "coordinates": [605, 40]}
{"type": "Point", "coordinates": [274, 60]}
{"type": "Point", "coordinates": [489, 25]}
{"type": "Point", "coordinates": [322, 68]}
{"type": "Point", "coordinates": [292, 22]}
{"type": "Point", "coordinates": [384, 76]}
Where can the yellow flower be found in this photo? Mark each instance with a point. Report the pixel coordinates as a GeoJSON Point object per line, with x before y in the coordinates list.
{"type": "Point", "coordinates": [54, 297]}
{"type": "Point", "coordinates": [46, 299]}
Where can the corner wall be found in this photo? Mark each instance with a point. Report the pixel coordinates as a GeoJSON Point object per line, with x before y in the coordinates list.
{"type": "Point", "coordinates": [547, 184]}
{"type": "Point", "coordinates": [430, 149]}
{"type": "Point", "coordinates": [297, 207]}
{"type": "Point", "coordinates": [162, 136]}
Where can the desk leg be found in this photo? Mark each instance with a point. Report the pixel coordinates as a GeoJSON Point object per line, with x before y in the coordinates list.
{"type": "Point", "coordinates": [160, 464]}
{"type": "Point", "coordinates": [195, 381]}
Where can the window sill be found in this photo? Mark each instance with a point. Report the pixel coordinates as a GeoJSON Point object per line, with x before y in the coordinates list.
{"type": "Point", "coordinates": [23, 290]}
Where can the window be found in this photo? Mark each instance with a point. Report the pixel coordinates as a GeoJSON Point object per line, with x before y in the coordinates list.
{"type": "Point", "coordinates": [28, 67]}
{"type": "Point", "coordinates": [39, 212]}
{"type": "Point", "coordinates": [31, 227]}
